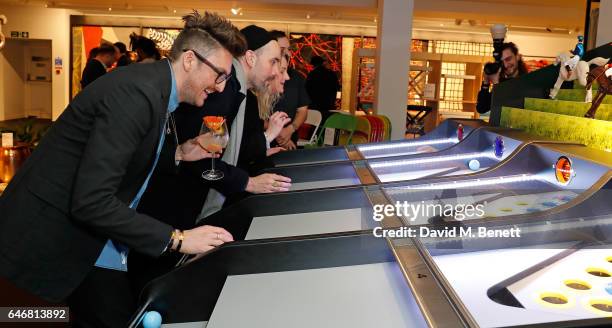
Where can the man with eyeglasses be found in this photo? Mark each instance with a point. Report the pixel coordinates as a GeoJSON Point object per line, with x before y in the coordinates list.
{"type": "Point", "coordinates": [69, 215]}
{"type": "Point", "coordinates": [222, 75]}
{"type": "Point", "coordinates": [192, 197]}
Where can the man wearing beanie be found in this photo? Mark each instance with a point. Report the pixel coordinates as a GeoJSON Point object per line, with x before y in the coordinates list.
{"type": "Point", "coordinates": [192, 197]}
{"type": "Point", "coordinates": [254, 70]}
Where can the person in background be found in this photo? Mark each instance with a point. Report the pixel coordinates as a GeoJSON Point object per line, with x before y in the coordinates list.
{"type": "Point", "coordinates": [69, 215]}
{"type": "Point", "coordinates": [322, 86]}
{"type": "Point", "coordinates": [294, 100]}
{"type": "Point", "coordinates": [92, 53]}
{"type": "Point", "coordinates": [124, 58]}
{"type": "Point", "coordinates": [512, 67]}
{"type": "Point", "coordinates": [145, 48]}
{"type": "Point", "coordinates": [103, 58]}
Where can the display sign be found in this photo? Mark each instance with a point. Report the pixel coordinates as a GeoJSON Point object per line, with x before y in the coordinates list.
{"type": "Point", "coordinates": [20, 34]}
{"type": "Point", "coordinates": [7, 139]}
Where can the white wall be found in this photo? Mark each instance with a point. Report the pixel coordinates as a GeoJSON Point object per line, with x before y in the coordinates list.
{"type": "Point", "coordinates": [542, 45]}
{"type": "Point", "coordinates": [12, 105]}
{"type": "Point", "coordinates": [23, 97]}
{"type": "Point", "coordinates": [604, 26]}
{"type": "Point", "coordinates": [532, 45]}
{"type": "Point", "coordinates": [48, 24]}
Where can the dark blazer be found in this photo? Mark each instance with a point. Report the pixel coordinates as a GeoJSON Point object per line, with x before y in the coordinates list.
{"type": "Point", "coordinates": [176, 194]}
{"type": "Point", "coordinates": [252, 157]}
{"type": "Point", "coordinates": [93, 70]}
{"type": "Point", "coordinates": [73, 193]}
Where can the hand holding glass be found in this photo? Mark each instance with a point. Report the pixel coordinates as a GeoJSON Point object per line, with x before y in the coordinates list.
{"type": "Point", "coordinates": [215, 137]}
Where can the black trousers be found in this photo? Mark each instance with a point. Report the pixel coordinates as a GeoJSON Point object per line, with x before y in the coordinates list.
{"type": "Point", "coordinates": [104, 299]}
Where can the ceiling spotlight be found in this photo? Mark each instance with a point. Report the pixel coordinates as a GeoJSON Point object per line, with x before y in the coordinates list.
{"type": "Point", "coordinates": [236, 11]}
{"type": "Point", "coordinates": [110, 9]}
{"type": "Point", "coordinates": [174, 11]}
{"type": "Point", "coordinates": [375, 19]}
{"type": "Point", "coordinates": [307, 16]}
{"type": "Point", "coordinates": [442, 25]}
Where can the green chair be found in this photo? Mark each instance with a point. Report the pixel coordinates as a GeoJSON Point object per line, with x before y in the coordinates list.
{"type": "Point", "coordinates": [342, 122]}
{"type": "Point", "coordinates": [361, 135]}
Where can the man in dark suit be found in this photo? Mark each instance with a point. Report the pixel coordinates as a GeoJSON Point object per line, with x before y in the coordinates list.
{"type": "Point", "coordinates": [176, 195]}
{"type": "Point", "coordinates": [104, 58]}
{"type": "Point", "coordinates": [69, 214]}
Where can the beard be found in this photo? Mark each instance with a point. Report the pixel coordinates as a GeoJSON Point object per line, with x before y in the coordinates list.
{"type": "Point", "coordinates": [266, 99]}
{"type": "Point", "coordinates": [194, 95]}
{"type": "Point", "coordinates": [261, 88]}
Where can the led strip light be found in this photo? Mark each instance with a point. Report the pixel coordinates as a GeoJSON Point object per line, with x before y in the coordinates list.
{"type": "Point", "coordinates": [466, 184]}
{"type": "Point", "coordinates": [407, 144]}
{"type": "Point", "coordinates": [435, 159]}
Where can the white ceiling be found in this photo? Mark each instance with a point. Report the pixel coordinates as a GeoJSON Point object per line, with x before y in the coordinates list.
{"type": "Point", "coordinates": [557, 15]}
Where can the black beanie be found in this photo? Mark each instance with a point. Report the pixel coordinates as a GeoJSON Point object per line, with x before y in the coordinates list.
{"type": "Point", "coordinates": [256, 36]}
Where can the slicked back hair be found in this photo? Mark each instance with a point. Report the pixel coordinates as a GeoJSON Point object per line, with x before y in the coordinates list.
{"type": "Point", "coordinates": [206, 33]}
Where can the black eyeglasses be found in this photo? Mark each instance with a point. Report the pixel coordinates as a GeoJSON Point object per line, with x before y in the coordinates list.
{"type": "Point", "coordinates": [221, 75]}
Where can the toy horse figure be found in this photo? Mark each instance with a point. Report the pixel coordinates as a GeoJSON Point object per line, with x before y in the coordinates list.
{"type": "Point", "coordinates": [603, 76]}
{"type": "Point", "coordinates": [579, 73]}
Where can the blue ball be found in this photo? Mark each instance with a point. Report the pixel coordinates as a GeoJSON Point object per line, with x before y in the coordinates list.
{"type": "Point", "coordinates": [474, 164]}
{"type": "Point", "coordinates": [152, 319]}
{"type": "Point", "coordinates": [609, 288]}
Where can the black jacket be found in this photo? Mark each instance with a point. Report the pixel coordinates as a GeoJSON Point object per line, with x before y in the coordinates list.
{"type": "Point", "coordinates": [253, 147]}
{"type": "Point", "coordinates": [176, 194]}
{"type": "Point", "coordinates": [322, 86]}
{"type": "Point", "coordinates": [73, 193]}
{"type": "Point", "coordinates": [93, 70]}
{"type": "Point", "coordinates": [483, 100]}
